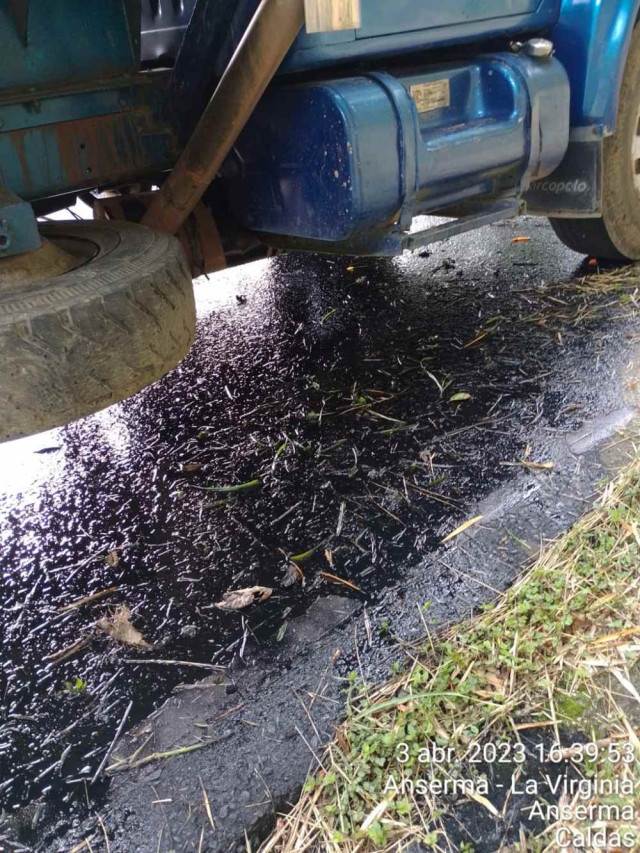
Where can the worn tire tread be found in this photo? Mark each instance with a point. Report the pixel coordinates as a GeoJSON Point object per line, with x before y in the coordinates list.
{"type": "Point", "coordinates": [97, 334]}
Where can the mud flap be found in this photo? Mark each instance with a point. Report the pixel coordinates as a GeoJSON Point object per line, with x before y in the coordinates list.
{"type": "Point", "coordinates": [574, 189]}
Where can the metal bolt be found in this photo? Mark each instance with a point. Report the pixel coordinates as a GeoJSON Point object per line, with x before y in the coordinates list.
{"type": "Point", "coordinates": [540, 48]}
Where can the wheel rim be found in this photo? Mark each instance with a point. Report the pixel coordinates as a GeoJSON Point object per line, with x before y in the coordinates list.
{"type": "Point", "coordinates": [53, 258]}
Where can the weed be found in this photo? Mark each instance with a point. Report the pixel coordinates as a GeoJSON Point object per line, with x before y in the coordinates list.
{"type": "Point", "coordinates": [76, 688]}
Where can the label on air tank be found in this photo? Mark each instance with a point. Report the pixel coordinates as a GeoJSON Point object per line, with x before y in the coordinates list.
{"type": "Point", "coordinates": [432, 95]}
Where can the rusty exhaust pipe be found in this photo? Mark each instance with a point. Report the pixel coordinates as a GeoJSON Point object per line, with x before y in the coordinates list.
{"type": "Point", "coordinates": [272, 31]}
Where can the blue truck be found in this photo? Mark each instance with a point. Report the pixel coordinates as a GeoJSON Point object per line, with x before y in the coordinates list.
{"type": "Point", "coordinates": [205, 133]}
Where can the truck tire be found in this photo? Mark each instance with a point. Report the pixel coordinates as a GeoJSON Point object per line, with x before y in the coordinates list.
{"type": "Point", "coordinates": [75, 343]}
{"type": "Point", "coordinates": [616, 234]}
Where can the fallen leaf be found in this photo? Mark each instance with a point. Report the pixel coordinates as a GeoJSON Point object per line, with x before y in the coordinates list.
{"type": "Point", "coordinates": [496, 682]}
{"type": "Point", "coordinates": [306, 555]}
{"type": "Point", "coordinates": [118, 627]}
{"type": "Point", "coordinates": [238, 599]}
{"type": "Point", "coordinates": [341, 737]}
{"type": "Point", "coordinates": [483, 801]}
{"type": "Point", "coordinates": [374, 815]}
{"type": "Point", "coordinates": [628, 686]}
{"type": "Point", "coordinates": [484, 694]}
{"type": "Point", "coordinates": [462, 528]}
{"type": "Point", "coordinates": [521, 239]}
{"type": "Point", "coordinates": [292, 574]}
{"type": "Point", "coordinates": [461, 395]}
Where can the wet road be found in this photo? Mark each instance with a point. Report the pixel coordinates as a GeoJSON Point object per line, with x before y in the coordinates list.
{"type": "Point", "coordinates": [371, 404]}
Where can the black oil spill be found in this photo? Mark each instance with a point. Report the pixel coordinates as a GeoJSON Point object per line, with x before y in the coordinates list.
{"type": "Point", "coordinates": [371, 403]}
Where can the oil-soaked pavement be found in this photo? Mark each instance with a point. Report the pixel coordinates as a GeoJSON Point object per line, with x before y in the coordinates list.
{"type": "Point", "coordinates": [328, 384]}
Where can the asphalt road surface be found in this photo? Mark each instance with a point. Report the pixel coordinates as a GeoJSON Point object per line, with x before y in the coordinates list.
{"type": "Point", "coordinates": [365, 408]}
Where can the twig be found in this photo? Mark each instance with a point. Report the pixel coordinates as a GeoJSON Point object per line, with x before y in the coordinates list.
{"type": "Point", "coordinates": [241, 487]}
{"type": "Point", "coordinates": [157, 756]}
{"type": "Point", "coordinates": [335, 579]}
{"type": "Point", "coordinates": [213, 666]}
{"type": "Point", "coordinates": [69, 651]}
{"type": "Point", "coordinates": [207, 805]}
{"type": "Point", "coordinates": [84, 845]}
{"type": "Point", "coordinates": [113, 743]}
{"type": "Point", "coordinates": [311, 749]}
{"type": "Point", "coordinates": [87, 599]}
{"type": "Point", "coordinates": [104, 830]}
{"type": "Point", "coordinates": [472, 578]}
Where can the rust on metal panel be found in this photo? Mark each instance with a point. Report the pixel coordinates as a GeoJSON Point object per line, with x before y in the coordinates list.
{"type": "Point", "coordinates": [92, 151]}
{"type": "Point", "coordinates": [101, 145]}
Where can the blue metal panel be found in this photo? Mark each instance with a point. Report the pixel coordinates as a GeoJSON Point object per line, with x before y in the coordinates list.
{"type": "Point", "coordinates": [391, 28]}
{"type": "Point", "coordinates": [402, 26]}
{"type": "Point", "coordinates": [74, 40]}
{"type": "Point", "coordinates": [381, 18]}
{"type": "Point", "coordinates": [592, 41]}
{"type": "Point", "coordinates": [330, 161]}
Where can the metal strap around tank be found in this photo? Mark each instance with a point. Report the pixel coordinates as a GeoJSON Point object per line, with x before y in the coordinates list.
{"type": "Point", "coordinates": [407, 143]}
